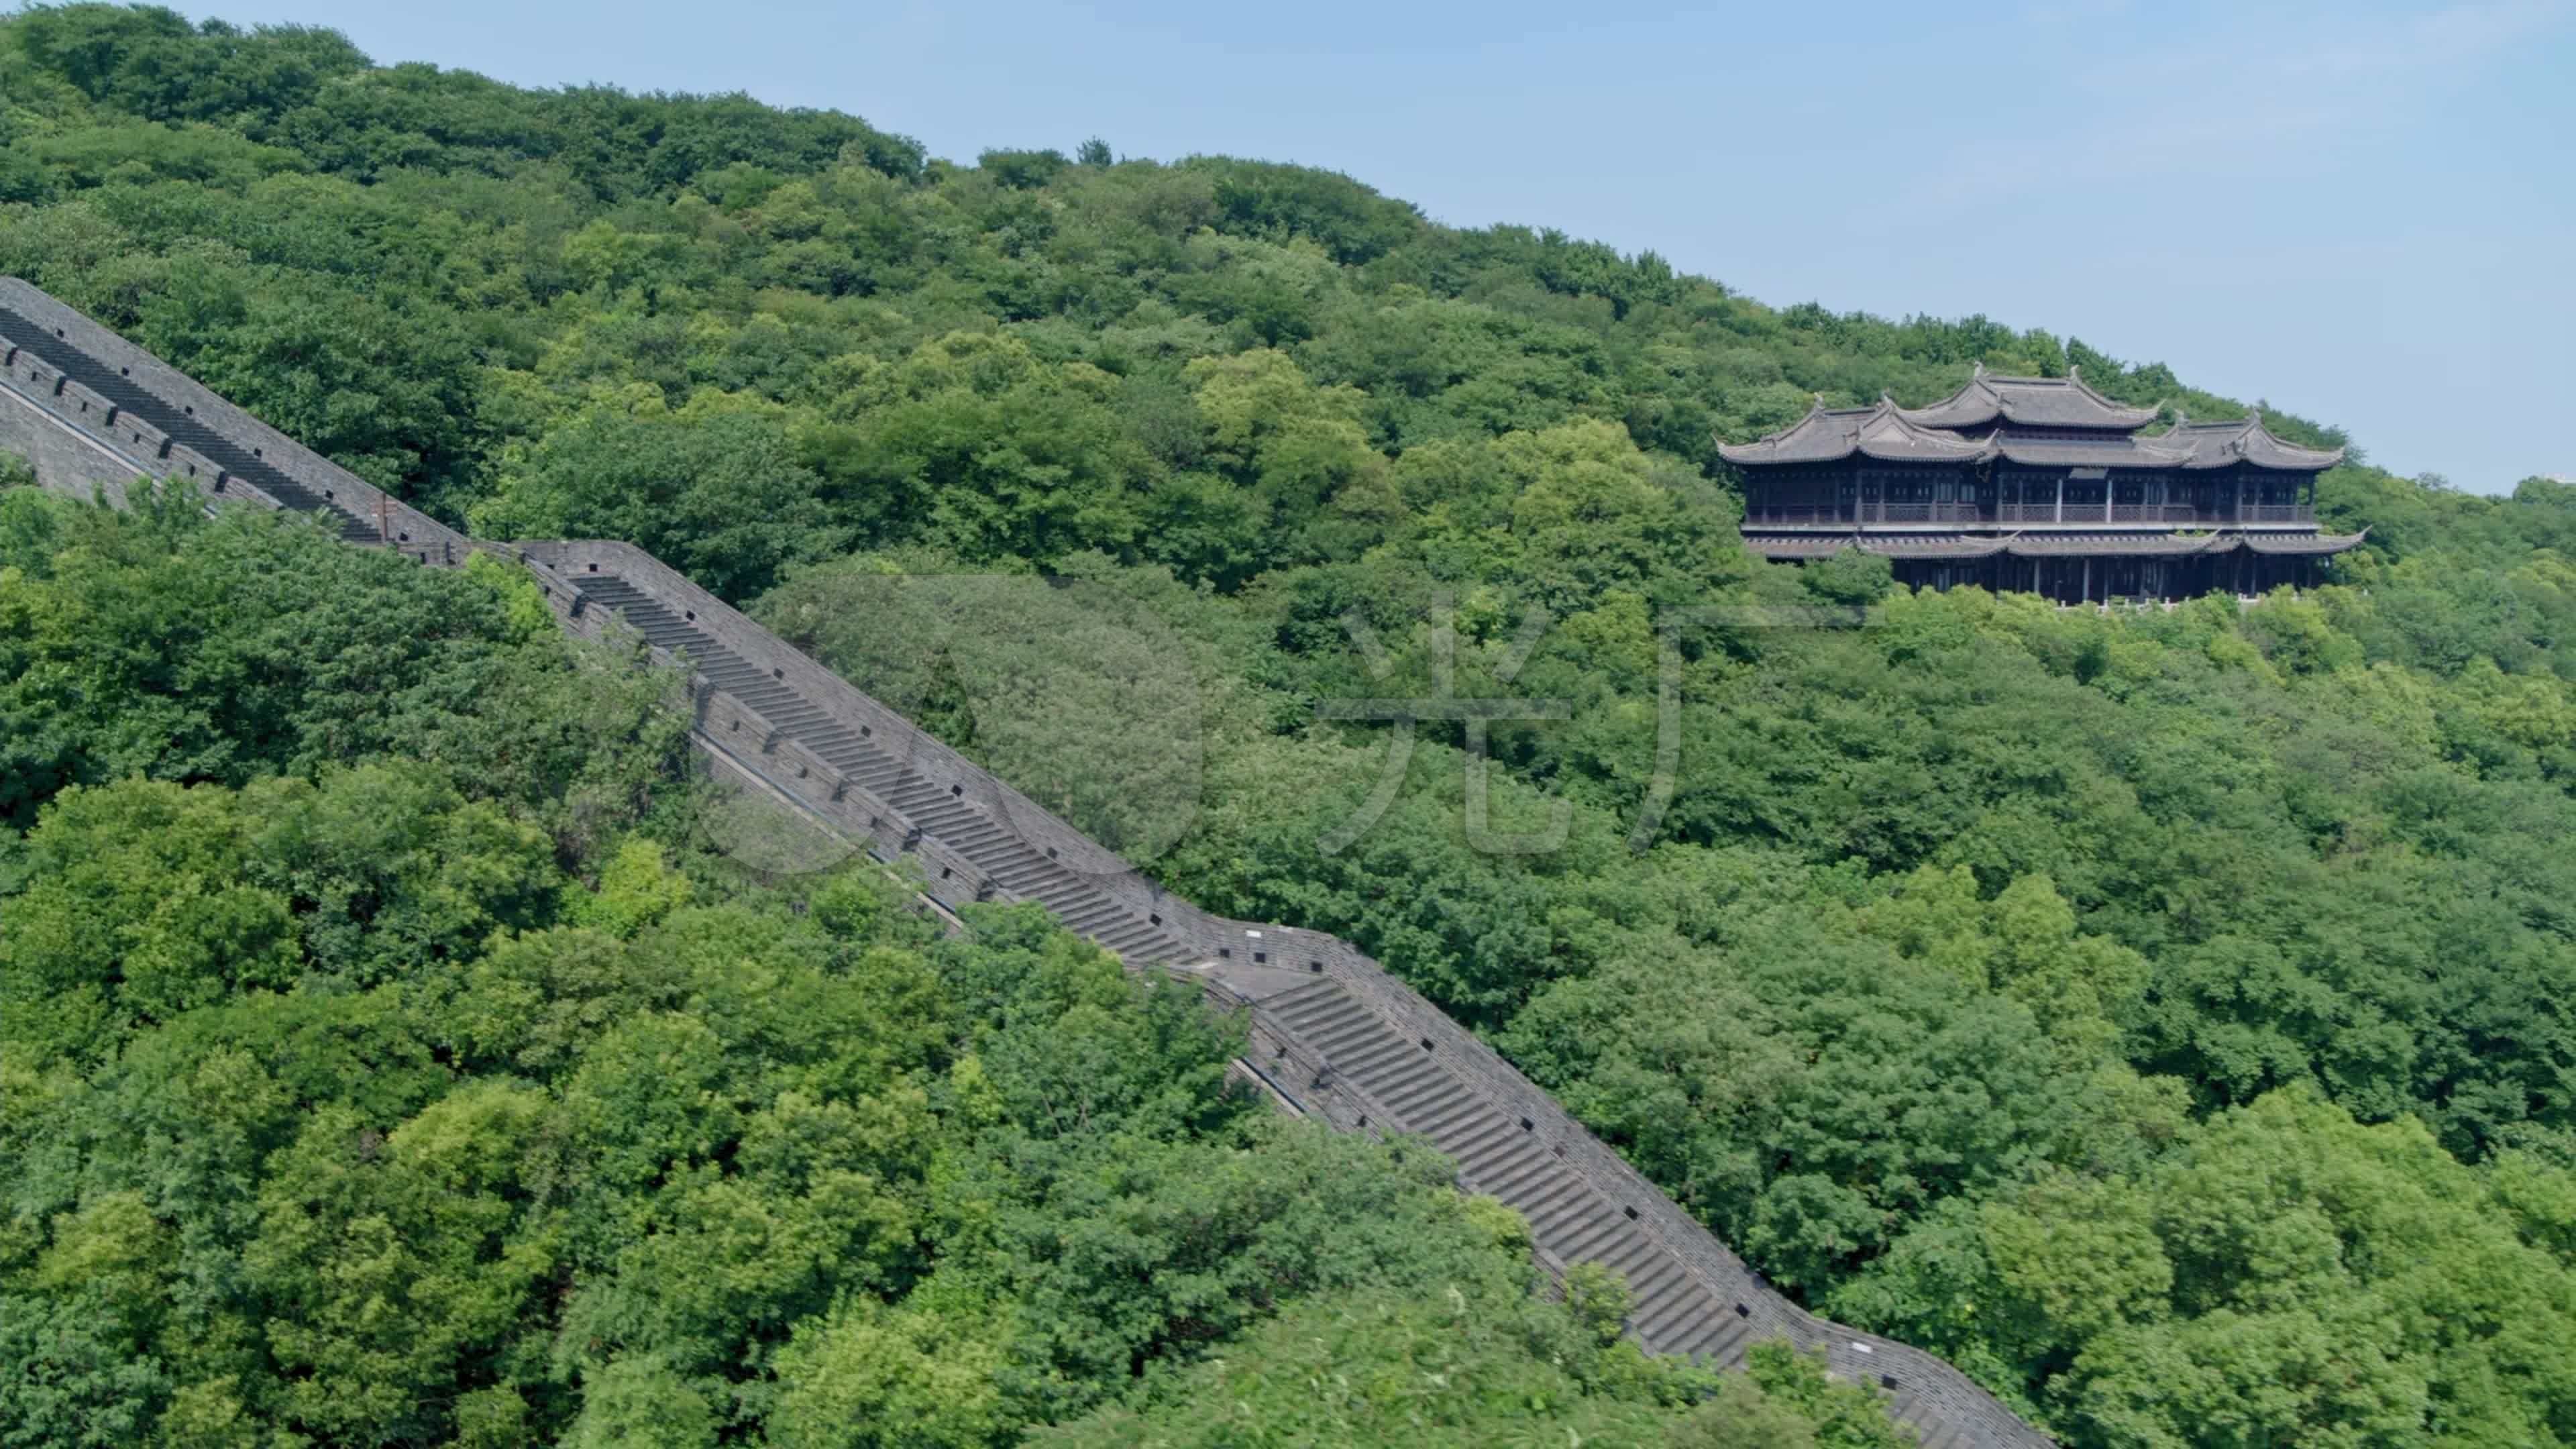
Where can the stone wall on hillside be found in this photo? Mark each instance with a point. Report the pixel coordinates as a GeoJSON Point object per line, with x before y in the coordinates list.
{"type": "Point", "coordinates": [80, 439]}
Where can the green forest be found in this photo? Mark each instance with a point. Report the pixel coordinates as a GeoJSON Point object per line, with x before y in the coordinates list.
{"type": "Point", "coordinates": [2163, 1014]}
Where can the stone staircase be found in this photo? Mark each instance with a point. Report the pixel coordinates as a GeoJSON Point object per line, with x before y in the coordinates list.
{"type": "Point", "coordinates": [993, 845]}
{"type": "Point", "coordinates": [180, 424]}
{"type": "Point", "coordinates": [1570, 1220]}
{"type": "Point", "coordinates": [1406, 1082]}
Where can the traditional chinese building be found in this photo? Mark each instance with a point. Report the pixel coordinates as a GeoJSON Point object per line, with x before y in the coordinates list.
{"type": "Point", "coordinates": [2041, 485]}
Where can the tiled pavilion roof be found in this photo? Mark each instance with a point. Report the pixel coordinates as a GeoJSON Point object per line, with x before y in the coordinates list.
{"type": "Point", "coordinates": [2049, 402]}
{"type": "Point", "coordinates": [2244, 440]}
{"type": "Point", "coordinates": [1827, 435]}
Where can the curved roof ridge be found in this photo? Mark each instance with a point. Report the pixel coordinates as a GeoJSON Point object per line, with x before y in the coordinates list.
{"type": "Point", "coordinates": [2033, 401]}
{"type": "Point", "coordinates": [1827, 435]}
{"type": "Point", "coordinates": [2248, 440]}
{"type": "Point", "coordinates": [1887, 413]}
{"type": "Point", "coordinates": [2305, 543]}
{"type": "Point", "coordinates": [2075, 375]}
{"type": "Point", "coordinates": [1815, 408]}
{"type": "Point", "coordinates": [2124, 450]}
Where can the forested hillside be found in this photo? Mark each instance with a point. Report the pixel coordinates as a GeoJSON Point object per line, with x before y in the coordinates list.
{"type": "Point", "coordinates": [386, 1059]}
{"type": "Point", "coordinates": [2162, 1015]}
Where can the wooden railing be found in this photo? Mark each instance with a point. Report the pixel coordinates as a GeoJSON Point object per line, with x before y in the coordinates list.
{"type": "Point", "coordinates": [1799, 513]}
{"type": "Point", "coordinates": [2178, 514]}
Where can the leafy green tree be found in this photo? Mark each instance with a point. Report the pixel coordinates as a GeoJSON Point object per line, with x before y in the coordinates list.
{"type": "Point", "coordinates": [162, 645]}
{"type": "Point", "coordinates": [394, 1264]}
{"type": "Point", "coordinates": [1474, 1366]}
{"type": "Point", "coordinates": [137, 911]}
{"type": "Point", "coordinates": [150, 61]}
{"type": "Point", "coordinates": [972, 444]}
{"type": "Point", "coordinates": [720, 491]}
{"type": "Point", "coordinates": [1023, 170]}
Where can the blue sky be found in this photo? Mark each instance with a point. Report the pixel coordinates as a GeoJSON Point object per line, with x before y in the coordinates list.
{"type": "Point", "coordinates": [2362, 212]}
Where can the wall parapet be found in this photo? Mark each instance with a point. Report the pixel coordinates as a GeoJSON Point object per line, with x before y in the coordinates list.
{"type": "Point", "coordinates": [407, 529]}
{"type": "Point", "coordinates": [1725, 1277]}
{"type": "Point", "coordinates": [1861, 1357]}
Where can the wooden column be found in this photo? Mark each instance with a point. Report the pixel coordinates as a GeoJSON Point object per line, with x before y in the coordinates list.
{"type": "Point", "coordinates": [2061, 498]}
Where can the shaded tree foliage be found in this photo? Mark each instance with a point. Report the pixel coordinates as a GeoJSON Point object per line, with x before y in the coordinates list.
{"type": "Point", "coordinates": [378, 1066]}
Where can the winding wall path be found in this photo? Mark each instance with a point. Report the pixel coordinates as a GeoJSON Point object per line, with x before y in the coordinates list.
{"type": "Point", "coordinates": [1333, 1035]}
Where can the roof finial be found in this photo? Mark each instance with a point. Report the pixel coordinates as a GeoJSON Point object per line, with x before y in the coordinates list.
{"type": "Point", "coordinates": [1977, 370]}
{"type": "Point", "coordinates": [1820, 403]}
{"type": "Point", "coordinates": [2075, 372]}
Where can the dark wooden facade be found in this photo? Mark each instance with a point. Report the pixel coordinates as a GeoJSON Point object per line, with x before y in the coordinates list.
{"type": "Point", "coordinates": [2042, 485]}
{"type": "Point", "coordinates": [2108, 575]}
{"type": "Point", "coordinates": [1799, 495]}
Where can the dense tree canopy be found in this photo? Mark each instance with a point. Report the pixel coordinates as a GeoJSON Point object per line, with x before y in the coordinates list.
{"type": "Point", "coordinates": [2162, 1014]}
{"type": "Point", "coordinates": [434, 1082]}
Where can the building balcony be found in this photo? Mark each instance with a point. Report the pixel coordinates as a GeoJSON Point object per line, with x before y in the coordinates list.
{"type": "Point", "coordinates": [2023, 515]}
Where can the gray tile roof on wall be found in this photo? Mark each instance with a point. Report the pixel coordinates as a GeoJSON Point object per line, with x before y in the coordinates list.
{"type": "Point", "coordinates": [1786, 547]}
{"type": "Point", "coordinates": [1893, 434]}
